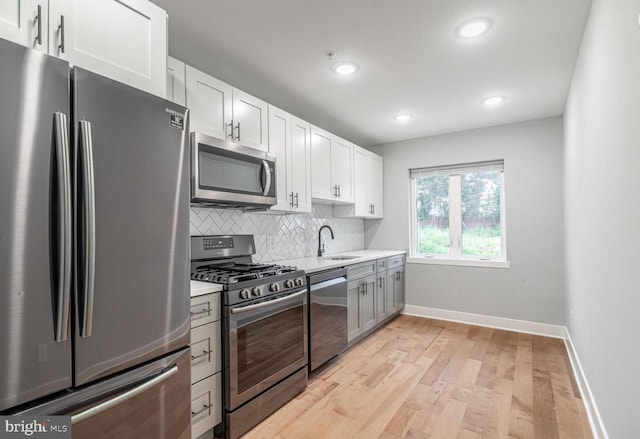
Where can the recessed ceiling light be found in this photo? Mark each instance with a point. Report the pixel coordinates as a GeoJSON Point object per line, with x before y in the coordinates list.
{"type": "Point", "coordinates": [403, 117]}
{"type": "Point", "coordinates": [493, 100]}
{"type": "Point", "coordinates": [345, 68]}
{"type": "Point", "coordinates": [474, 28]}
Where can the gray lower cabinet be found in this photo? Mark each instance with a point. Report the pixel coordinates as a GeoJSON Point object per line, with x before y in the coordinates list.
{"type": "Point", "coordinates": [361, 306]}
{"type": "Point", "coordinates": [375, 294]}
{"type": "Point", "coordinates": [394, 290]}
{"type": "Point", "coordinates": [206, 364]}
{"type": "Point", "coordinates": [381, 302]}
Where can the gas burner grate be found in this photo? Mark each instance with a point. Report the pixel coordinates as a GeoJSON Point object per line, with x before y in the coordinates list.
{"type": "Point", "coordinates": [234, 273]}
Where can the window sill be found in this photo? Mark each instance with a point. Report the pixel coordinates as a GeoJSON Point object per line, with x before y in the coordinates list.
{"type": "Point", "coordinates": [459, 262]}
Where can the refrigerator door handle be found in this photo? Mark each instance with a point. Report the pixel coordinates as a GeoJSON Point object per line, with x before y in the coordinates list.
{"type": "Point", "coordinates": [124, 397]}
{"type": "Point", "coordinates": [64, 226]}
{"type": "Point", "coordinates": [89, 216]}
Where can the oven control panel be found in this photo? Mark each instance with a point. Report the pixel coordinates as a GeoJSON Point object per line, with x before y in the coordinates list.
{"type": "Point", "coordinates": [217, 243]}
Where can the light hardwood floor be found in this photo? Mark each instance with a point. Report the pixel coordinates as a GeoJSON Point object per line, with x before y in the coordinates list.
{"type": "Point", "coordinates": [424, 378]}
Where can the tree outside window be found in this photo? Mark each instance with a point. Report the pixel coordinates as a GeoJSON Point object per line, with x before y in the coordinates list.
{"type": "Point", "coordinates": [457, 211]}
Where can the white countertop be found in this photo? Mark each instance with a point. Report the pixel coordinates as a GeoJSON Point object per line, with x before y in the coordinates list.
{"type": "Point", "coordinates": [312, 264]}
{"type": "Point", "coordinates": [199, 288]}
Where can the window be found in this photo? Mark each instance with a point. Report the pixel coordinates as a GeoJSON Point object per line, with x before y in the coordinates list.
{"type": "Point", "coordinates": [458, 212]}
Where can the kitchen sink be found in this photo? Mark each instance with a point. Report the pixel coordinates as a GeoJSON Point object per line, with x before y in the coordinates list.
{"type": "Point", "coordinates": [342, 258]}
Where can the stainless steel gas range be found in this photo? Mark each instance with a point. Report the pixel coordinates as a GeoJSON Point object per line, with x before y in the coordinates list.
{"type": "Point", "coordinates": [264, 328]}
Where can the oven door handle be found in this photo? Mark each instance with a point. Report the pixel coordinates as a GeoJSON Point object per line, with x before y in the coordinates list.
{"type": "Point", "coordinates": [267, 304]}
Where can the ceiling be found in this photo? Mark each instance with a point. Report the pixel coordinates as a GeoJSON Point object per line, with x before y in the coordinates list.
{"type": "Point", "coordinates": [410, 59]}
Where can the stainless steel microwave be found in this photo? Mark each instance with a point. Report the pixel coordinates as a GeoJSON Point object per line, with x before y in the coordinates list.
{"type": "Point", "coordinates": [225, 174]}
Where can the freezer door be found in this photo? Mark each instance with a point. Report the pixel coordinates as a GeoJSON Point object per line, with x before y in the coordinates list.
{"type": "Point", "coordinates": [35, 225]}
{"type": "Point", "coordinates": [132, 258]}
{"type": "Point", "coordinates": [150, 402]}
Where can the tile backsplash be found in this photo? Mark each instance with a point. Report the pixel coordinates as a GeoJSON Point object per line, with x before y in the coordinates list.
{"type": "Point", "coordinates": [282, 236]}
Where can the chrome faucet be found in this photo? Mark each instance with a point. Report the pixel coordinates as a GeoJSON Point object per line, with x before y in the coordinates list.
{"type": "Point", "coordinates": [321, 248]}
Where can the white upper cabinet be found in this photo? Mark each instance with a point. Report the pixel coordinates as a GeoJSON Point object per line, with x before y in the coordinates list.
{"type": "Point", "coordinates": [376, 187]}
{"type": "Point", "coordinates": [249, 121]}
{"type": "Point", "coordinates": [301, 164]}
{"type": "Point", "coordinates": [25, 22]}
{"type": "Point", "coordinates": [290, 141]}
{"type": "Point", "coordinates": [280, 145]}
{"type": "Point", "coordinates": [331, 168]}
{"type": "Point", "coordinates": [125, 40]}
{"type": "Point", "coordinates": [321, 188]}
{"type": "Point", "coordinates": [221, 111]}
{"type": "Point", "coordinates": [210, 102]}
{"type": "Point", "coordinates": [368, 186]}
{"type": "Point", "coordinates": [122, 39]}
{"type": "Point", "coordinates": [176, 87]}
{"type": "Point", "coordinates": [341, 169]}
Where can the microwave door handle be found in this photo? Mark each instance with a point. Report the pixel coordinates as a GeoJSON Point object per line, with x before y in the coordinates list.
{"type": "Point", "coordinates": [89, 228]}
{"type": "Point", "coordinates": [266, 172]}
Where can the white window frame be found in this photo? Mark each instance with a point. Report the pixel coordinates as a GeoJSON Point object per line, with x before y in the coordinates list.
{"type": "Point", "coordinates": [455, 221]}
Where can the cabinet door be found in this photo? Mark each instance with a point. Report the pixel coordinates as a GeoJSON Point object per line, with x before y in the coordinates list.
{"type": "Point", "coordinates": [280, 145]}
{"type": "Point", "coordinates": [399, 290]}
{"type": "Point", "coordinates": [250, 120]}
{"type": "Point", "coordinates": [176, 88]}
{"type": "Point", "coordinates": [321, 165]}
{"type": "Point", "coordinates": [362, 182]}
{"type": "Point", "coordinates": [376, 185]}
{"type": "Point", "coordinates": [206, 404]}
{"type": "Point", "coordinates": [390, 292]}
{"type": "Point", "coordinates": [341, 169]}
{"type": "Point", "coordinates": [210, 102]}
{"type": "Point", "coordinates": [125, 40]}
{"type": "Point", "coordinates": [19, 23]}
{"type": "Point", "coordinates": [381, 308]}
{"type": "Point", "coordinates": [301, 164]}
{"type": "Point", "coordinates": [368, 303]}
{"type": "Point", "coordinates": [354, 291]}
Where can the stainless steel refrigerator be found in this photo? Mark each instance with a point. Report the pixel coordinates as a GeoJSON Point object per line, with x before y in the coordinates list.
{"type": "Point", "coordinates": [94, 251]}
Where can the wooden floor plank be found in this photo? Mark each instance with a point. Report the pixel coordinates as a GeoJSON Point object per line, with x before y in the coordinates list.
{"type": "Point", "coordinates": [422, 379]}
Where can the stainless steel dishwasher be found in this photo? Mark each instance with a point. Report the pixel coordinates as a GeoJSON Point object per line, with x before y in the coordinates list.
{"type": "Point", "coordinates": [327, 315]}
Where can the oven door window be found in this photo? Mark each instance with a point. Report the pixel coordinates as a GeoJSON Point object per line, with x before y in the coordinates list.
{"type": "Point", "coordinates": [268, 343]}
{"type": "Point", "coordinates": [221, 171]}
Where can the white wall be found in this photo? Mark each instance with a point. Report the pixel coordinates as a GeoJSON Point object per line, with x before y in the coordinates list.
{"type": "Point", "coordinates": [602, 128]}
{"type": "Point", "coordinates": [533, 288]}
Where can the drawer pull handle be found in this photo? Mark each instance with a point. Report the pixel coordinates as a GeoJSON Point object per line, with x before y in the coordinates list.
{"type": "Point", "coordinates": [195, 357]}
{"type": "Point", "coordinates": [202, 410]}
{"type": "Point", "coordinates": [197, 313]}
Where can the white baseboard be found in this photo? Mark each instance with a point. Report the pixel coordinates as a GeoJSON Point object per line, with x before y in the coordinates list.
{"type": "Point", "coordinates": [527, 327]}
{"type": "Point", "coordinates": [545, 329]}
{"type": "Point", "coordinates": [595, 421]}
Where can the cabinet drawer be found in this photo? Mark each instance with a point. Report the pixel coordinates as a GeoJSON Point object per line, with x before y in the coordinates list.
{"type": "Point", "coordinates": [395, 261]}
{"type": "Point", "coordinates": [381, 264]}
{"type": "Point", "coordinates": [205, 309]}
{"type": "Point", "coordinates": [356, 271]}
{"type": "Point", "coordinates": [206, 405]}
{"type": "Point", "coordinates": [206, 356]}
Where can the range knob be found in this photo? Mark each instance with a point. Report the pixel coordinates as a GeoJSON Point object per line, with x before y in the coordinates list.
{"type": "Point", "coordinates": [244, 294]}
{"type": "Point", "coordinates": [274, 287]}
{"type": "Point", "coordinates": [299, 282]}
{"type": "Point", "coordinates": [257, 291]}
{"type": "Point", "coordinates": [289, 283]}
